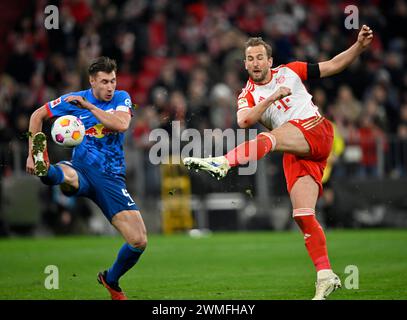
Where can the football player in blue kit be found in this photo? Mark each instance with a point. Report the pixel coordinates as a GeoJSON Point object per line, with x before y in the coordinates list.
{"type": "Point", "coordinates": [97, 169]}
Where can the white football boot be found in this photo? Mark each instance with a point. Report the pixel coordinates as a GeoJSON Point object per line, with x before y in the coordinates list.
{"type": "Point", "coordinates": [327, 283]}
{"type": "Point", "coordinates": [217, 167]}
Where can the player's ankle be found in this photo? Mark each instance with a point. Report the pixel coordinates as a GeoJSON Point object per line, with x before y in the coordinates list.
{"type": "Point", "coordinates": [324, 273]}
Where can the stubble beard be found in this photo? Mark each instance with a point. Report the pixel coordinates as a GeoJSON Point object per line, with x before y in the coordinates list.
{"type": "Point", "coordinates": [260, 78]}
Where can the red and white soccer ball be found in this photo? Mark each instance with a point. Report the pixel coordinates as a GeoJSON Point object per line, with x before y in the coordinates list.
{"type": "Point", "coordinates": [68, 131]}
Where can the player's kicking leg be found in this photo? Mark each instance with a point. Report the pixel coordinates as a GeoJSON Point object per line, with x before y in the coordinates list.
{"type": "Point", "coordinates": [218, 167]}
{"type": "Point", "coordinates": [286, 138]}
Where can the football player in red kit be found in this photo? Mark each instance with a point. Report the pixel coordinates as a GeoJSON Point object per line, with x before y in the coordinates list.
{"type": "Point", "coordinates": [278, 99]}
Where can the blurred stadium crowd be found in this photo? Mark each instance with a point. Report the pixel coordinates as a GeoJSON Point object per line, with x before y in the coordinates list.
{"type": "Point", "coordinates": [183, 60]}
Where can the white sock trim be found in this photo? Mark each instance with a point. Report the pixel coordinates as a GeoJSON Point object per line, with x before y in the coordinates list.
{"type": "Point", "coordinates": [272, 139]}
{"type": "Point", "coordinates": [299, 212]}
{"type": "Point", "coordinates": [324, 273]}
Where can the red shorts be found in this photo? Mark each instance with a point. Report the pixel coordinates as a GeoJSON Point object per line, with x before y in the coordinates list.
{"type": "Point", "coordinates": [319, 134]}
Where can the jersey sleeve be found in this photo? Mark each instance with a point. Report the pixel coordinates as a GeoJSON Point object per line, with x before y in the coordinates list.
{"type": "Point", "coordinates": [58, 107]}
{"type": "Point", "coordinates": [123, 102]}
{"type": "Point", "coordinates": [245, 100]}
{"type": "Point", "coordinates": [300, 68]}
{"type": "Point", "coordinates": [305, 70]}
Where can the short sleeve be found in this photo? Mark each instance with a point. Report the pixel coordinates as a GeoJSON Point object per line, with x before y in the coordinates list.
{"type": "Point", "coordinates": [245, 100]}
{"type": "Point", "coordinates": [300, 68]}
{"type": "Point", "coordinates": [123, 102]}
{"type": "Point", "coordinates": [58, 107]}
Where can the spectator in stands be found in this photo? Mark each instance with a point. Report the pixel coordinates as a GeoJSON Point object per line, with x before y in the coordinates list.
{"type": "Point", "coordinates": [373, 143]}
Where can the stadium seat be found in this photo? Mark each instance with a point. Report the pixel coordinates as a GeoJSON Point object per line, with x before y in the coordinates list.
{"type": "Point", "coordinates": [126, 81]}
{"type": "Point", "coordinates": [154, 63]}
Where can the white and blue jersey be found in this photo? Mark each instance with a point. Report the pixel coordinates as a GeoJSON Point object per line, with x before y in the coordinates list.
{"type": "Point", "coordinates": [101, 148]}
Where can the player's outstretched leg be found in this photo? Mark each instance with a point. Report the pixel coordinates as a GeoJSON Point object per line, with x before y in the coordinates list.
{"type": "Point", "coordinates": [251, 150]}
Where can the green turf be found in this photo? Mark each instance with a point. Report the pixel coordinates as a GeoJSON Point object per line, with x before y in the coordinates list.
{"type": "Point", "coordinates": [267, 265]}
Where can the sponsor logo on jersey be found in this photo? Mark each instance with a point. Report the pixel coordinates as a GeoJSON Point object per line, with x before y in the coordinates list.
{"type": "Point", "coordinates": [98, 131]}
{"type": "Point", "coordinates": [55, 102]}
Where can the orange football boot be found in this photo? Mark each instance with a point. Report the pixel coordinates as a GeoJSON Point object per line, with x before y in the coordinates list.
{"type": "Point", "coordinates": [115, 292]}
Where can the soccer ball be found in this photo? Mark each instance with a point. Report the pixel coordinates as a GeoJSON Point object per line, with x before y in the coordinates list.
{"type": "Point", "coordinates": [68, 131]}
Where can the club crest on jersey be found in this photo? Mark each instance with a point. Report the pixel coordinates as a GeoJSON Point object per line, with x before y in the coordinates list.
{"type": "Point", "coordinates": [280, 79]}
{"type": "Point", "coordinates": [55, 102]}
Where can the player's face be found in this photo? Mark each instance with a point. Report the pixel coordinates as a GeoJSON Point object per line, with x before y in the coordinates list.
{"type": "Point", "coordinates": [103, 85]}
{"type": "Point", "coordinates": [258, 64]}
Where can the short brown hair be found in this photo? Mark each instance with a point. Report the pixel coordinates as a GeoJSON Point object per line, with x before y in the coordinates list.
{"type": "Point", "coordinates": [258, 41]}
{"type": "Point", "coordinates": [103, 64]}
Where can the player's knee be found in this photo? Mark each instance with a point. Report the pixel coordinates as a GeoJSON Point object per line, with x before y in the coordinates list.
{"type": "Point", "coordinates": [71, 177]}
{"type": "Point", "coordinates": [139, 242]}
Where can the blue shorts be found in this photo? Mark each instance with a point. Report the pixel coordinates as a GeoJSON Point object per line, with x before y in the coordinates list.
{"type": "Point", "coordinates": [107, 191]}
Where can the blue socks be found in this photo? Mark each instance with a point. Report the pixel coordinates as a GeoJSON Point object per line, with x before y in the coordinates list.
{"type": "Point", "coordinates": [54, 177]}
{"type": "Point", "coordinates": [126, 259]}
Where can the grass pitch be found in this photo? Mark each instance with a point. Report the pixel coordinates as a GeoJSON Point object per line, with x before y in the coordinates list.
{"type": "Point", "coordinates": [258, 265]}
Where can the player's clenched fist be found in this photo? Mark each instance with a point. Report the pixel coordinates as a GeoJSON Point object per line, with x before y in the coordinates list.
{"type": "Point", "coordinates": [281, 93]}
{"type": "Point", "coordinates": [365, 36]}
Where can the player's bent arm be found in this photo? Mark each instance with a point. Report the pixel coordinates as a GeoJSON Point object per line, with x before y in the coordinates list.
{"type": "Point", "coordinates": [118, 121]}
{"type": "Point", "coordinates": [36, 120]}
{"type": "Point", "coordinates": [345, 58]}
{"type": "Point", "coordinates": [248, 117]}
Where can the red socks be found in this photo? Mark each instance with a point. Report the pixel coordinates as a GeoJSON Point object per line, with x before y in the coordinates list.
{"type": "Point", "coordinates": [251, 150]}
{"type": "Point", "coordinates": [314, 237]}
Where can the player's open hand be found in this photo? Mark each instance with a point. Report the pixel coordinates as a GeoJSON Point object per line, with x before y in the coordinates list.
{"type": "Point", "coordinates": [365, 36]}
{"type": "Point", "coordinates": [281, 93]}
{"type": "Point", "coordinates": [78, 101]}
